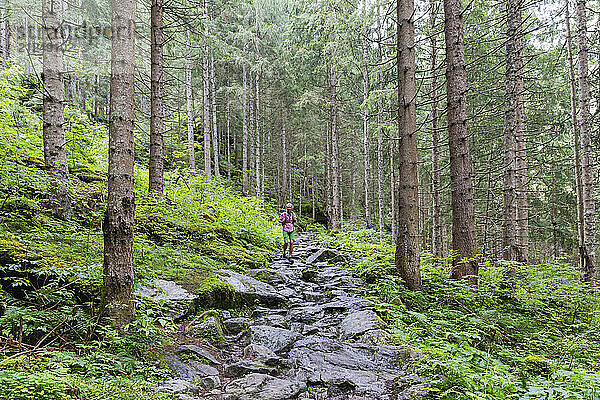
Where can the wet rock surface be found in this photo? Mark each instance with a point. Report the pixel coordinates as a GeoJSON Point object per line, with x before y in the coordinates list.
{"type": "Point", "coordinates": [312, 337]}
{"type": "Point", "coordinates": [175, 299]}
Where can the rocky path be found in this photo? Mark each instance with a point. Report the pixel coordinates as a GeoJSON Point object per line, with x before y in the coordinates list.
{"type": "Point", "coordinates": [309, 337]}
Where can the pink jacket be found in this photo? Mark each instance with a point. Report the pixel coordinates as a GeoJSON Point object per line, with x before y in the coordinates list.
{"type": "Point", "coordinates": [287, 221]}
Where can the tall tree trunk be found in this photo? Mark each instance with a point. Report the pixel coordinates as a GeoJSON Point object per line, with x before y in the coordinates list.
{"type": "Point", "coordinates": [463, 211]}
{"type": "Point", "coordinates": [206, 101]}
{"type": "Point", "coordinates": [587, 162]}
{"type": "Point", "coordinates": [328, 207]}
{"type": "Point", "coordinates": [213, 101]}
{"type": "Point", "coordinates": [227, 123]}
{"type": "Point", "coordinates": [366, 149]}
{"type": "Point", "coordinates": [120, 206]}
{"type": "Point", "coordinates": [157, 106]}
{"type": "Point", "coordinates": [251, 137]}
{"type": "Point", "coordinates": [284, 160]}
{"type": "Point", "coordinates": [245, 183]}
{"type": "Point", "coordinates": [511, 125]}
{"type": "Point", "coordinates": [408, 248]}
{"type": "Point", "coordinates": [189, 102]}
{"type": "Point", "coordinates": [515, 176]}
{"type": "Point", "coordinates": [336, 212]}
{"type": "Point", "coordinates": [577, 145]}
{"type": "Point", "coordinates": [257, 138]}
{"type": "Point", "coordinates": [437, 238]}
{"type": "Point", "coordinates": [4, 37]}
{"type": "Point", "coordinates": [380, 171]}
{"type": "Point", "coordinates": [55, 145]}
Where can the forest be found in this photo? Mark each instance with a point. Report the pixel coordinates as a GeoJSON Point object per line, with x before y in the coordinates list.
{"type": "Point", "coordinates": [429, 166]}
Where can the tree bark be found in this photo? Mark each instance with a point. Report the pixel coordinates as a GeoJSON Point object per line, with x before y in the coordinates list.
{"type": "Point", "coordinates": [335, 166]}
{"type": "Point", "coordinates": [284, 161]}
{"type": "Point", "coordinates": [576, 145]}
{"type": "Point", "coordinates": [587, 162]}
{"type": "Point", "coordinates": [366, 149]}
{"type": "Point", "coordinates": [408, 249]}
{"type": "Point", "coordinates": [245, 183]}
{"type": "Point", "coordinates": [463, 213]}
{"type": "Point", "coordinates": [157, 106]}
{"type": "Point", "coordinates": [206, 108]}
{"type": "Point", "coordinates": [227, 123]}
{"type": "Point", "coordinates": [213, 101]}
{"type": "Point", "coordinates": [437, 238]}
{"type": "Point", "coordinates": [4, 37]}
{"type": "Point", "coordinates": [515, 230]}
{"type": "Point", "coordinates": [118, 224]}
{"type": "Point", "coordinates": [257, 153]}
{"type": "Point", "coordinates": [189, 102]}
{"type": "Point", "coordinates": [55, 145]}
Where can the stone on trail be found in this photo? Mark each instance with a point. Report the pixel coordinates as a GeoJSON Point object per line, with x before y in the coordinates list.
{"type": "Point", "coordinates": [263, 387]}
{"type": "Point", "coordinates": [176, 386]}
{"type": "Point", "coordinates": [358, 322]}
{"type": "Point", "coordinates": [257, 352]}
{"type": "Point", "coordinates": [276, 339]}
{"type": "Point", "coordinates": [245, 367]}
{"type": "Point", "coordinates": [371, 370]}
{"type": "Point", "coordinates": [324, 255]}
{"type": "Point", "coordinates": [250, 289]}
{"type": "Point", "coordinates": [236, 325]}
{"type": "Point", "coordinates": [198, 351]}
{"type": "Point", "coordinates": [177, 301]}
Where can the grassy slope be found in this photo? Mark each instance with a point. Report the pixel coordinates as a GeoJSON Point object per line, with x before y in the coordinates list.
{"type": "Point", "coordinates": [201, 226]}
{"type": "Point", "coordinates": [540, 342]}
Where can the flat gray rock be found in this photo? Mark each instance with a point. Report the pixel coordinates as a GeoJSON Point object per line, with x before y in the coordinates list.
{"type": "Point", "coordinates": [368, 370]}
{"type": "Point", "coordinates": [245, 367]}
{"type": "Point", "coordinates": [276, 339]}
{"type": "Point", "coordinates": [251, 289]}
{"type": "Point", "coordinates": [263, 387]}
{"type": "Point", "coordinates": [358, 322]}
{"type": "Point", "coordinates": [198, 351]}
{"type": "Point", "coordinates": [236, 325]}
{"type": "Point", "coordinates": [177, 301]}
{"type": "Point", "coordinates": [177, 386]}
{"type": "Point", "coordinates": [324, 255]}
{"type": "Point", "coordinates": [257, 352]}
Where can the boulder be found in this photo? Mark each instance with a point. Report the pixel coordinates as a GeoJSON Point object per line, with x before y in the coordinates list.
{"type": "Point", "coordinates": [210, 382]}
{"type": "Point", "coordinates": [358, 322]}
{"type": "Point", "coordinates": [276, 339]}
{"type": "Point", "coordinates": [257, 352]}
{"type": "Point", "coordinates": [367, 370]}
{"type": "Point", "coordinates": [177, 301]}
{"type": "Point", "coordinates": [210, 329]}
{"type": "Point", "coordinates": [263, 387]}
{"type": "Point", "coordinates": [322, 255]}
{"type": "Point", "coordinates": [250, 289]}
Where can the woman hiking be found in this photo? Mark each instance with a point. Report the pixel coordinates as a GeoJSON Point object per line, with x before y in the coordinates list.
{"type": "Point", "coordinates": [287, 220]}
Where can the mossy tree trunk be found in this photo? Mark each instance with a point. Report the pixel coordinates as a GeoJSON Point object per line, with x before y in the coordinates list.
{"type": "Point", "coordinates": [120, 208]}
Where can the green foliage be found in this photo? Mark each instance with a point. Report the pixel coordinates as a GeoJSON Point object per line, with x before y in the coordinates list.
{"type": "Point", "coordinates": [538, 341]}
{"type": "Point", "coordinates": [51, 270]}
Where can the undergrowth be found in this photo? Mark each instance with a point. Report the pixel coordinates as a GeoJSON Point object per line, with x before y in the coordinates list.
{"type": "Point", "coordinates": [54, 343]}
{"type": "Point", "coordinates": [540, 340]}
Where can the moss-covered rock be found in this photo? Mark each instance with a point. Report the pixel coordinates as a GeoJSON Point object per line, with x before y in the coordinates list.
{"type": "Point", "coordinates": [537, 365]}
{"type": "Point", "coordinates": [210, 327]}
{"type": "Point", "coordinates": [216, 294]}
